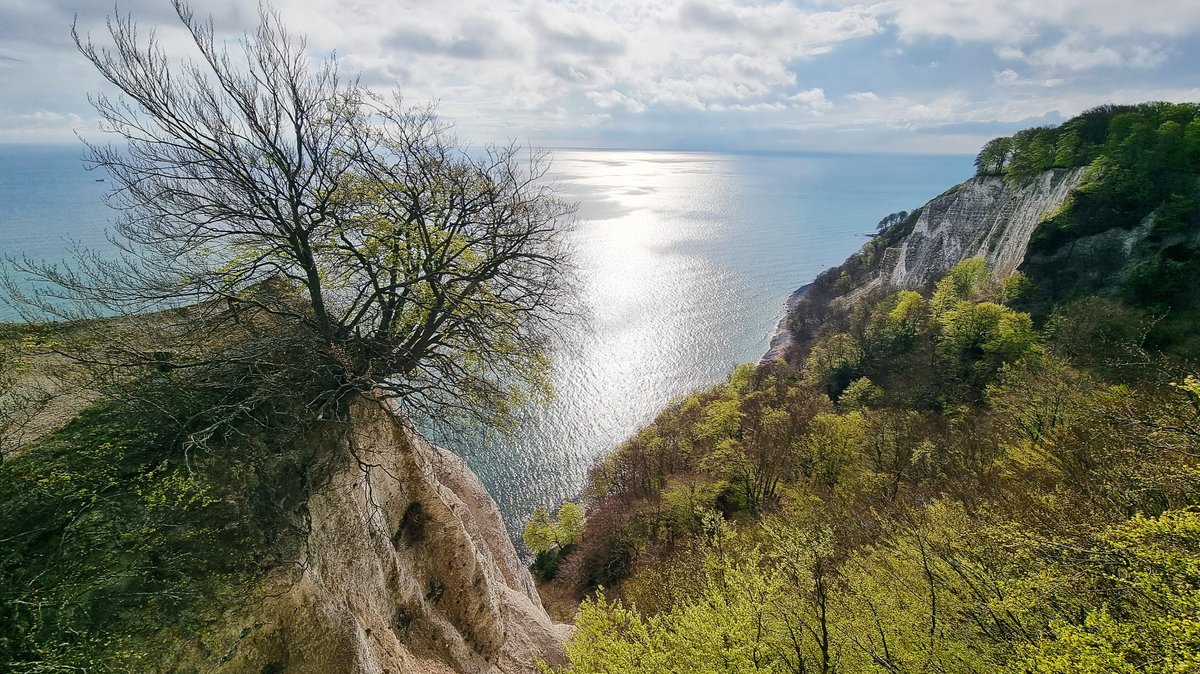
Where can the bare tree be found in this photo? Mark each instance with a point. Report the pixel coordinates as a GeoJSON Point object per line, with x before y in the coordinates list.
{"type": "Point", "coordinates": [269, 207]}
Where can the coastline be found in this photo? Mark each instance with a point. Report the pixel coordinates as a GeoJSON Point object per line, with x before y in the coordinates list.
{"type": "Point", "coordinates": [782, 339]}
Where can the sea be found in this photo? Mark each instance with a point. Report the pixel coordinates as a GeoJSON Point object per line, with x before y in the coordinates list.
{"type": "Point", "coordinates": [686, 259]}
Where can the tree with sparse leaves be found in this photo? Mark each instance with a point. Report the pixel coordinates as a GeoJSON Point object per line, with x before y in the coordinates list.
{"type": "Point", "coordinates": [265, 201]}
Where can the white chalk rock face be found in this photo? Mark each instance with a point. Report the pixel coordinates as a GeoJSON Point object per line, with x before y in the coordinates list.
{"type": "Point", "coordinates": [983, 217]}
{"type": "Point", "coordinates": [407, 569]}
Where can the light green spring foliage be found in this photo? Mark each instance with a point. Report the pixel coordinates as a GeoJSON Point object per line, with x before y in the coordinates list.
{"type": "Point", "coordinates": [719, 630]}
{"type": "Point", "coordinates": [861, 393]}
{"type": "Point", "coordinates": [1016, 287]}
{"type": "Point", "coordinates": [833, 443]}
{"type": "Point", "coordinates": [1159, 630]}
{"type": "Point", "coordinates": [967, 281]}
{"type": "Point", "coordinates": [829, 355]}
{"type": "Point", "coordinates": [781, 608]}
{"type": "Point", "coordinates": [538, 534]}
{"type": "Point", "coordinates": [914, 601]}
{"type": "Point", "coordinates": [1044, 522]}
{"type": "Point", "coordinates": [894, 324]}
{"type": "Point", "coordinates": [1035, 398]}
{"type": "Point", "coordinates": [722, 417]}
{"type": "Point", "coordinates": [908, 313]}
{"type": "Point", "coordinates": [965, 320]}
{"type": "Point", "coordinates": [570, 522]}
{"type": "Point", "coordinates": [941, 594]}
{"type": "Point", "coordinates": [976, 332]}
{"type": "Point", "coordinates": [543, 532]}
{"type": "Point", "coordinates": [971, 329]}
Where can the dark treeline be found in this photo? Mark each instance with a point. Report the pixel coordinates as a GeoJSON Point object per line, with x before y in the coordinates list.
{"type": "Point", "coordinates": [1145, 139]}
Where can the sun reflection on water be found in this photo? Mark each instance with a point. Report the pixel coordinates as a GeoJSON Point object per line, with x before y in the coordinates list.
{"type": "Point", "coordinates": [685, 260]}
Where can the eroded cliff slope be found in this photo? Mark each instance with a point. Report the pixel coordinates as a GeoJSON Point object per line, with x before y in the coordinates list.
{"type": "Point", "coordinates": [983, 217]}
{"type": "Point", "coordinates": [406, 568]}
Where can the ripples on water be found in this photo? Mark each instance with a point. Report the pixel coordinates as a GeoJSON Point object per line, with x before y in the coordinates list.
{"type": "Point", "coordinates": [686, 260]}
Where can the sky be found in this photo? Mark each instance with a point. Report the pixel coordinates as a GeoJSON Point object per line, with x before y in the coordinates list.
{"type": "Point", "coordinates": [909, 76]}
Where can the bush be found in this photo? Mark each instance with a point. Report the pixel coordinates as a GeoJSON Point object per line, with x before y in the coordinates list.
{"type": "Point", "coordinates": [552, 539]}
{"type": "Point", "coordinates": [120, 536]}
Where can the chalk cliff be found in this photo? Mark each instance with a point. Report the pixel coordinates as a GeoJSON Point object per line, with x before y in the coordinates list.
{"type": "Point", "coordinates": [407, 569]}
{"type": "Point", "coordinates": [983, 217]}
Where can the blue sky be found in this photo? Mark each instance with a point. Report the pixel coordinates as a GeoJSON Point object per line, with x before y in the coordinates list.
{"type": "Point", "coordinates": [896, 76]}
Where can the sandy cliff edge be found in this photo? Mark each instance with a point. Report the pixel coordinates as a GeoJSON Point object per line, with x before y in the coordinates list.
{"type": "Point", "coordinates": [407, 569]}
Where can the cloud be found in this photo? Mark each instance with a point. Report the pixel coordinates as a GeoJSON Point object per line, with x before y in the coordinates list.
{"type": "Point", "coordinates": [558, 30]}
{"type": "Point", "coordinates": [695, 14]}
{"type": "Point", "coordinates": [49, 117]}
{"type": "Point", "coordinates": [755, 107]}
{"type": "Point", "coordinates": [777, 27]}
{"type": "Point", "coordinates": [40, 126]}
{"type": "Point", "coordinates": [1145, 57]}
{"type": "Point", "coordinates": [1074, 53]}
{"type": "Point", "coordinates": [814, 72]}
{"type": "Point", "coordinates": [1008, 76]}
{"type": "Point", "coordinates": [813, 100]}
{"type": "Point", "coordinates": [1017, 21]}
{"type": "Point", "coordinates": [615, 99]}
{"type": "Point", "coordinates": [1011, 78]}
{"type": "Point", "coordinates": [476, 39]}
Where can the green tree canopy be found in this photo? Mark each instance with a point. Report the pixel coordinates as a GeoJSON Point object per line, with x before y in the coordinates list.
{"type": "Point", "coordinates": [543, 533]}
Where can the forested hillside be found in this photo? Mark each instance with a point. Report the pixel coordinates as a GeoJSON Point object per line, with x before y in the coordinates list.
{"type": "Point", "coordinates": [992, 474]}
{"type": "Point", "coordinates": [1127, 232]}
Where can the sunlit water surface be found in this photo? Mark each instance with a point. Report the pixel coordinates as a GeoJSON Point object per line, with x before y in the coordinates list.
{"type": "Point", "coordinates": [686, 260]}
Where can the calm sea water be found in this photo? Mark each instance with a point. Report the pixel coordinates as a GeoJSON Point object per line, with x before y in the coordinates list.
{"type": "Point", "coordinates": [47, 201]}
{"type": "Point", "coordinates": [687, 259]}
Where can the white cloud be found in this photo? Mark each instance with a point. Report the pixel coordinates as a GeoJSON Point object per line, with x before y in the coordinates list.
{"type": "Point", "coordinates": [615, 99]}
{"type": "Point", "coordinates": [1075, 53]}
{"type": "Point", "coordinates": [1010, 53]}
{"type": "Point", "coordinates": [1011, 78]}
{"type": "Point", "coordinates": [781, 26]}
{"type": "Point", "coordinates": [863, 96]}
{"type": "Point", "coordinates": [40, 126]}
{"type": "Point", "coordinates": [1008, 76]}
{"type": "Point", "coordinates": [1072, 55]}
{"type": "Point", "coordinates": [755, 107]}
{"type": "Point", "coordinates": [1016, 21]}
{"type": "Point", "coordinates": [564, 68]}
{"type": "Point", "coordinates": [813, 100]}
{"type": "Point", "coordinates": [1145, 57]}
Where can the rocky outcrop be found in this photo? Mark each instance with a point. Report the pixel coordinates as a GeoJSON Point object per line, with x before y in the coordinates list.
{"type": "Point", "coordinates": [407, 569]}
{"type": "Point", "coordinates": [983, 217]}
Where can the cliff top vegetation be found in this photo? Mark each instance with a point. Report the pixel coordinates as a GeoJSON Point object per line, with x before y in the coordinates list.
{"type": "Point", "coordinates": [284, 205]}
{"type": "Point", "coordinates": [937, 486]}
